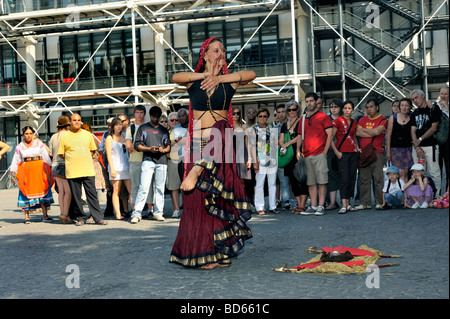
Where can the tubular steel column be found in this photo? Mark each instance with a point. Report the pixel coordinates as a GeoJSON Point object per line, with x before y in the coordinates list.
{"type": "Point", "coordinates": [313, 55]}
{"type": "Point", "coordinates": [135, 71]}
{"type": "Point", "coordinates": [424, 49]}
{"type": "Point", "coordinates": [296, 81]}
{"type": "Point", "coordinates": [341, 32]}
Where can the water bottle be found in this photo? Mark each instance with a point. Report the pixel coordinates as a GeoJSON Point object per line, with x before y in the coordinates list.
{"type": "Point", "coordinates": [282, 150]}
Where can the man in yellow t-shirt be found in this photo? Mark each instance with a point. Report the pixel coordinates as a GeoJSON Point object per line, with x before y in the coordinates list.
{"type": "Point", "coordinates": [77, 147]}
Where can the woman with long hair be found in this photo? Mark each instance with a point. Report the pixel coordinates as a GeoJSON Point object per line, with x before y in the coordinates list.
{"type": "Point", "coordinates": [119, 165]}
{"type": "Point", "coordinates": [212, 228]}
{"type": "Point", "coordinates": [241, 147]}
{"type": "Point", "coordinates": [346, 149]}
{"type": "Point", "coordinates": [58, 169]}
{"type": "Point", "coordinates": [32, 166]}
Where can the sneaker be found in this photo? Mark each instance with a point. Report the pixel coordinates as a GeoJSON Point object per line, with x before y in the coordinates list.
{"type": "Point", "coordinates": [101, 222]}
{"type": "Point", "coordinates": [415, 205]}
{"type": "Point", "coordinates": [159, 217]}
{"type": "Point", "coordinates": [361, 206]}
{"type": "Point", "coordinates": [424, 205]}
{"type": "Point", "coordinates": [176, 213]}
{"type": "Point", "coordinates": [287, 206]}
{"type": "Point", "coordinates": [319, 211]}
{"type": "Point", "coordinates": [135, 220]}
{"type": "Point", "coordinates": [309, 211]}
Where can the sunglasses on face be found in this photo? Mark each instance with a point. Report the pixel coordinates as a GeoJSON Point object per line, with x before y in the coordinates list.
{"type": "Point", "coordinates": [236, 113]}
{"type": "Point", "coordinates": [292, 110]}
{"type": "Point", "coordinates": [173, 120]}
{"type": "Point", "coordinates": [262, 116]}
{"type": "Point", "coordinates": [162, 121]}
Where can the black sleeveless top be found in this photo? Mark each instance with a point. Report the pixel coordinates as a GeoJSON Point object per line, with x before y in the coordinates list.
{"type": "Point", "coordinates": [401, 134]}
{"type": "Point", "coordinates": [199, 100]}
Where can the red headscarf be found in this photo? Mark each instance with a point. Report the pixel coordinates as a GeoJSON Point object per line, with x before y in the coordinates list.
{"type": "Point", "coordinates": [200, 66]}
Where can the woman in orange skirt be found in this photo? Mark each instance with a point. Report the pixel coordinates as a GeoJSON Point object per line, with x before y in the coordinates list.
{"type": "Point", "coordinates": [32, 166]}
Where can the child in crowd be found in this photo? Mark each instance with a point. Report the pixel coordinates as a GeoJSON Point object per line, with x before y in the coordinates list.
{"type": "Point", "coordinates": [393, 189]}
{"type": "Point", "coordinates": [418, 190]}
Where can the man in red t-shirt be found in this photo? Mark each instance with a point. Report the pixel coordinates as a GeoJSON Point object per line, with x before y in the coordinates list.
{"type": "Point", "coordinates": [372, 128]}
{"type": "Point", "coordinates": [313, 141]}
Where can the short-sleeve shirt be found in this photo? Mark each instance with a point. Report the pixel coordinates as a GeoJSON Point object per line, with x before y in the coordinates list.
{"type": "Point", "coordinates": [135, 156]}
{"type": "Point", "coordinates": [76, 148]}
{"type": "Point", "coordinates": [53, 146]}
{"type": "Point", "coordinates": [342, 126]}
{"type": "Point", "coordinates": [315, 135]}
{"type": "Point", "coordinates": [422, 119]}
{"type": "Point", "coordinates": [371, 123]}
{"type": "Point", "coordinates": [148, 136]}
{"type": "Point", "coordinates": [180, 132]}
{"type": "Point", "coordinates": [393, 187]}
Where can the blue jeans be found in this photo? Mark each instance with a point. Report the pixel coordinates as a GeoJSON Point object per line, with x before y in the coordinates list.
{"type": "Point", "coordinates": [284, 185]}
{"type": "Point", "coordinates": [149, 168]}
{"type": "Point", "coordinates": [394, 200]}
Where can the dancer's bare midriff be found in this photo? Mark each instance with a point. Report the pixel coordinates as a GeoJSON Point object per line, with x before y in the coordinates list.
{"type": "Point", "coordinates": [202, 128]}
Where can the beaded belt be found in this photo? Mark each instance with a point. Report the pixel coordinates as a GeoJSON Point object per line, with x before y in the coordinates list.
{"type": "Point", "coordinates": [29, 159]}
{"type": "Point", "coordinates": [199, 142]}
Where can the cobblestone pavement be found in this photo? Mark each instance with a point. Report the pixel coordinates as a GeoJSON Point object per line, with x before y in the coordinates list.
{"type": "Point", "coordinates": [123, 260]}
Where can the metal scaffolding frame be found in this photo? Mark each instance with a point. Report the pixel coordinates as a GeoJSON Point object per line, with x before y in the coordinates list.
{"type": "Point", "coordinates": [136, 14]}
{"type": "Point", "coordinates": [133, 14]}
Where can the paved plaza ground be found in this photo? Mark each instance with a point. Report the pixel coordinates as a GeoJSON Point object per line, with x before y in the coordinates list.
{"type": "Point", "coordinates": [124, 260]}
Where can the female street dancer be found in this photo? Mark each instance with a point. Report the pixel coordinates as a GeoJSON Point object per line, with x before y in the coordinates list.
{"type": "Point", "coordinates": [212, 227]}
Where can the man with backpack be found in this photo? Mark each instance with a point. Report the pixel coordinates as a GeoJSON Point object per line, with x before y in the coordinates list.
{"type": "Point", "coordinates": [424, 123]}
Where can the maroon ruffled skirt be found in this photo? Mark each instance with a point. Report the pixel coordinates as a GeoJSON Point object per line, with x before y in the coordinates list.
{"type": "Point", "coordinates": [213, 224]}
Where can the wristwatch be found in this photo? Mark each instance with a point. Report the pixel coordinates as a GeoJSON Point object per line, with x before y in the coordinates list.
{"type": "Point", "coordinates": [420, 138]}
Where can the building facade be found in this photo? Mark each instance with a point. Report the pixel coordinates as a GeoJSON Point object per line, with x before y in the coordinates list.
{"type": "Point", "coordinates": [100, 58]}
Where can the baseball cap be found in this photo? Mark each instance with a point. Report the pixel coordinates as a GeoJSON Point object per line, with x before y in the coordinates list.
{"type": "Point", "coordinates": [417, 167]}
{"type": "Point", "coordinates": [392, 169]}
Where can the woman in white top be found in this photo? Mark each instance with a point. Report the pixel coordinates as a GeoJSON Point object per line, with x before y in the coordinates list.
{"type": "Point", "coordinates": [58, 169]}
{"type": "Point", "coordinates": [119, 165]}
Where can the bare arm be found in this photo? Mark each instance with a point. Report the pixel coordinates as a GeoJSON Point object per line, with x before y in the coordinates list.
{"type": "Point", "coordinates": [108, 148]}
{"type": "Point", "coordinates": [388, 137]}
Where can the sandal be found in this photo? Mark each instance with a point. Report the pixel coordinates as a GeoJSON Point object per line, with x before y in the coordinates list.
{"type": "Point", "coordinates": [27, 221]}
{"type": "Point", "coordinates": [274, 211]}
{"type": "Point", "coordinates": [351, 209]}
{"type": "Point", "coordinates": [261, 212]}
{"type": "Point", "coordinates": [343, 210]}
{"type": "Point", "coordinates": [298, 210]}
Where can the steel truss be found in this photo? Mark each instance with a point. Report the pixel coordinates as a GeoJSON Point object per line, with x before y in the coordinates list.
{"type": "Point", "coordinates": [132, 15]}
{"type": "Point", "coordinates": [155, 14]}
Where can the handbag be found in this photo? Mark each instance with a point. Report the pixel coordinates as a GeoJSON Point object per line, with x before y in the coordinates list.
{"type": "Point", "coordinates": [300, 170]}
{"type": "Point", "coordinates": [300, 166]}
{"type": "Point", "coordinates": [367, 155]}
{"type": "Point", "coordinates": [284, 159]}
{"type": "Point", "coordinates": [59, 170]}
